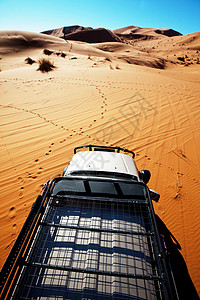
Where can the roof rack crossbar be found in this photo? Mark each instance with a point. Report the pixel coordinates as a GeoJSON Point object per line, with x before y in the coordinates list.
{"type": "Point", "coordinates": [101, 199]}
{"type": "Point", "coordinates": [97, 229]}
{"type": "Point", "coordinates": [93, 271]}
{"type": "Point", "coordinates": [118, 149]}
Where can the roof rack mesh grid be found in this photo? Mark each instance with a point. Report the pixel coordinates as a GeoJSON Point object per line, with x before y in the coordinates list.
{"type": "Point", "coordinates": [59, 284]}
{"type": "Point", "coordinates": [116, 254]}
{"type": "Point", "coordinates": [93, 246]}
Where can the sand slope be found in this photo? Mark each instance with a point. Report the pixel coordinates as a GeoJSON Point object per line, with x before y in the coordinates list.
{"type": "Point", "coordinates": [18, 40]}
{"type": "Point", "coordinates": [89, 98]}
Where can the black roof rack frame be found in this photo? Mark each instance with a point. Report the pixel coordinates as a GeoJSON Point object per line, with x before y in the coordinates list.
{"type": "Point", "coordinates": [35, 224]}
{"type": "Point", "coordinates": [104, 148]}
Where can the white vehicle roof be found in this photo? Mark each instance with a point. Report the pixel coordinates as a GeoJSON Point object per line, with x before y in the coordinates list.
{"type": "Point", "coordinates": [102, 161]}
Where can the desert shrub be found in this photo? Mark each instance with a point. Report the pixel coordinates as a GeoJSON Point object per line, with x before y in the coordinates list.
{"type": "Point", "coordinates": [108, 59]}
{"type": "Point", "coordinates": [45, 65]}
{"type": "Point", "coordinates": [63, 55]}
{"type": "Point", "coordinates": [181, 58]}
{"type": "Point", "coordinates": [47, 52]}
{"type": "Point", "coordinates": [29, 61]}
{"type": "Point", "coordinates": [57, 53]}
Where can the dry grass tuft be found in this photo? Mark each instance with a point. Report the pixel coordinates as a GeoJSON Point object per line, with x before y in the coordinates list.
{"type": "Point", "coordinates": [45, 65]}
{"type": "Point", "coordinates": [29, 61]}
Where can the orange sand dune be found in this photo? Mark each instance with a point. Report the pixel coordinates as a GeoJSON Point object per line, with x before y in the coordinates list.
{"type": "Point", "coordinates": [90, 98]}
{"type": "Point", "coordinates": [152, 32]}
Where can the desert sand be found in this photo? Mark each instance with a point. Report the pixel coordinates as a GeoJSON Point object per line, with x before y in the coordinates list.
{"type": "Point", "coordinates": [141, 94]}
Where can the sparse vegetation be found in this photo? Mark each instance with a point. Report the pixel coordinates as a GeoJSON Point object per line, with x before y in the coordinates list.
{"type": "Point", "coordinates": [117, 67]}
{"type": "Point", "coordinates": [29, 61]}
{"type": "Point", "coordinates": [45, 65]}
{"type": "Point", "coordinates": [47, 52]}
{"type": "Point", "coordinates": [108, 59]}
{"type": "Point", "coordinates": [63, 54]}
{"type": "Point", "coordinates": [57, 53]}
{"type": "Point", "coordinates": [111, 67]}
{"type": "Point", "coordinates": [127, 60]}
{"type": "Point", "coordinates": [181, 58]}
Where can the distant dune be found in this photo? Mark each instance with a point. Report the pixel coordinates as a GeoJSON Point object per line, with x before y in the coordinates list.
{"type": "Point", "coordinates": [168, 32]}
{"type": "Point", "coordinates": [90, 35]}
{"type": "Point", "coordinates": [126, 30]}
{"type": "Point", "coordinates": [134, 31]}
{"type": "Point", "coordinates": [63, 31]}
{"type": "Point", "coordinates": [98, 35]}
{"type": "Point", "coordinates": [137, 88]}
{"type": "Point", "coordinates": [84, 34]}
{"type": "Point", "coordinates": [153, 47]}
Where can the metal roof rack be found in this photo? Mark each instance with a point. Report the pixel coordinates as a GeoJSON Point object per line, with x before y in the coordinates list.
{"type": "Point", "coordinates": [104, 148]}
{"type": "Point", "coordinates": [91, 239]}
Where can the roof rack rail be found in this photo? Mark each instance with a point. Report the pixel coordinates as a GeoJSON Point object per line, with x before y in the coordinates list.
{"type": "Point", "coordinates": [104, 148]}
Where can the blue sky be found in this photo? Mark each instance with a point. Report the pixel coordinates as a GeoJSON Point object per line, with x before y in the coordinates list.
{"type": "Point", "coordinates": [40, 15]}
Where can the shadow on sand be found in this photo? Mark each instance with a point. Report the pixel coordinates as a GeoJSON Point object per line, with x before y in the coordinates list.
{"type": "Point", "coordinates": [177, 265]}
